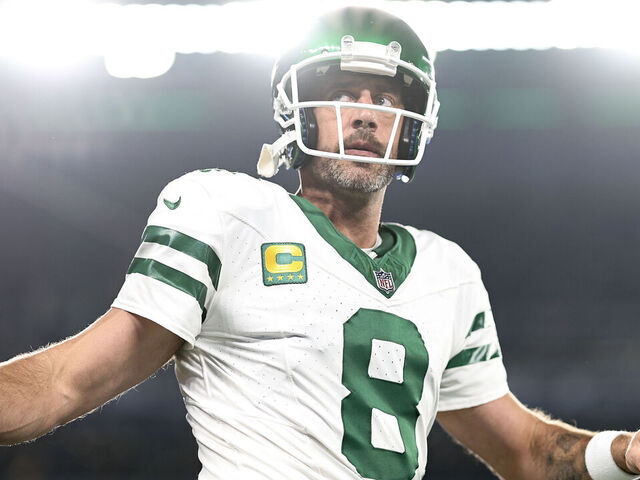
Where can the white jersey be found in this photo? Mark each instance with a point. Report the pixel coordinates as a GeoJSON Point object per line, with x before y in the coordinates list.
{"type": "Point", "coordinates": [304, 357]}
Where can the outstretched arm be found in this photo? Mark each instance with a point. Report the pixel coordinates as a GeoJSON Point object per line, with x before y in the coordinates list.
{"type": "Point", "coordinates": [518, 443]}
{"type": "Point", "coordinates": [50, 387]}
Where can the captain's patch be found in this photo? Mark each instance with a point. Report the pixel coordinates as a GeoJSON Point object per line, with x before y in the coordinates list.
{"type": "Point", "coordinates": [283, 263]}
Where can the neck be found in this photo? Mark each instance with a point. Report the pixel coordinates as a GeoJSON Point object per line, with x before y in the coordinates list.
{"type": "Point", "coordinates": [356, 215]}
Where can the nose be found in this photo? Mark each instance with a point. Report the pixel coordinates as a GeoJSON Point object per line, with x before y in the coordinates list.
{"type": "Point", "coordinates": [364, 118]}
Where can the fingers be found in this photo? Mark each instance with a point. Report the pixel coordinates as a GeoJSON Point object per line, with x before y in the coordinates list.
{"type": "Point", "coordinates": [632, 455]}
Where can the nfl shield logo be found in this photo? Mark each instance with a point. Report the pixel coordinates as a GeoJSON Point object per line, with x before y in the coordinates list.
{"type": "Point", "coordinates": [384, 281]}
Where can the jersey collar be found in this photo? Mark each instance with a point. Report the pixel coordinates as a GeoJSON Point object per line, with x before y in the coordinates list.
{"type": "Point", "coordinates": [395, 255]}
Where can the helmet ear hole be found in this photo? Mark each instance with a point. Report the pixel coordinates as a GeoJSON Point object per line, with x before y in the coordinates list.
{"type": "Point", "coordinates": [309, 135]}
{"type": "Point", "coordinates": [408, 145]}
{"type": "Point", "coordinates": [311, 139]}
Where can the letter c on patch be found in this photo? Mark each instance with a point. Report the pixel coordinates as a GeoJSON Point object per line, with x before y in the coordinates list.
{"type": "Point", "coordinates": [271, 260]}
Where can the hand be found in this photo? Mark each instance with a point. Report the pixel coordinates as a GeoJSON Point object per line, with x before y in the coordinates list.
{"type": "Point", "coordinates": [632, 455]}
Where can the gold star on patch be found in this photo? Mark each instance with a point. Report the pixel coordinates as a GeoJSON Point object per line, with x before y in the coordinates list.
{"type": "Point", "coordinates": [290, 277]}
{"type": "Point", "coordinates": [300, 277]}
{"type": "Point", "coordinates": [280, 277]}
{"type": "Point", "coordinates": [270, 279]}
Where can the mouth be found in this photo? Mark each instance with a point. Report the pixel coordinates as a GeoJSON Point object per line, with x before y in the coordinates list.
{"type": "Point", "coordinates": [362, 149]}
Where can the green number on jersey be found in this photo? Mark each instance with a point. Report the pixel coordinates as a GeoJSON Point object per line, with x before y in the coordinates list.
{"type": "Point", "coordinates": [390, 397]}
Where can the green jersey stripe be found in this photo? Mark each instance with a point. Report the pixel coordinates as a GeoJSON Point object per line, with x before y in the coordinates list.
{"type": "Point", "coordinates": [478, 323]}
{"type": "Point", "coordinates": [172, 277]}
{"type": "Point", "coordinates": [474, 355]}
{"type": "Point", "coordinates": [187, 245]}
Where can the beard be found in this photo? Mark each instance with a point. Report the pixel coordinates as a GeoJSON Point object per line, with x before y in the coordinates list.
{"type": "Point", "coordinates": [354, 176]}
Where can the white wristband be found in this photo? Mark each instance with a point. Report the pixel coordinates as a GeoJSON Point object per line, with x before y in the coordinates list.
{"type": "Point", "coordinates": [600, 463]}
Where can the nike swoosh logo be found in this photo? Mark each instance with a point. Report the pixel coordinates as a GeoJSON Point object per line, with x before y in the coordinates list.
{"type": "Point", "coordinates": [172, 205]}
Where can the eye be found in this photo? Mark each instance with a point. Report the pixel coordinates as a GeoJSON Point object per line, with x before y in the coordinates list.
{"type": "Point", "coordinates": [384, 101]}
{"type": "Point", "coordinates": [342, 96]}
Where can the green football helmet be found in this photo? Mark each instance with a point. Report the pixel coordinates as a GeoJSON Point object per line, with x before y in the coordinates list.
{"type": "Point", "coordinates": [365, 41]}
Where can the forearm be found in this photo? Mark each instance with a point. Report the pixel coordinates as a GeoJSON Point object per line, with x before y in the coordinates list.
{"type": "Point", "coordinates": [522, 444]}
{"type": "Point", "coordinates": [30, 404]}
{"type": "Point", "coordinates": [558, 450]}
{"type": "Point", "coordinates": [43, 390]}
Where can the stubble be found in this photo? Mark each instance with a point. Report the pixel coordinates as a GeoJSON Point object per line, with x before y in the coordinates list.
{"type": "Point", "coordinates": [357, 177]}
{"type": "Point", "coordinates": [352, 176]}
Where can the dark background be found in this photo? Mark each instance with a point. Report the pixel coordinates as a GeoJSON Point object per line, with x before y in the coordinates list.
{"type": "Point", "coordinates": [534, 170]}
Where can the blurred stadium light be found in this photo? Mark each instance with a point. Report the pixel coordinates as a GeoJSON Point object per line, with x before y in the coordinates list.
{"type": "Point", "coordinates": [142, 40]}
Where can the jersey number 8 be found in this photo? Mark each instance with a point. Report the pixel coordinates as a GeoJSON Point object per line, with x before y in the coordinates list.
{"type": "Point", "coordinates": [384, 365]}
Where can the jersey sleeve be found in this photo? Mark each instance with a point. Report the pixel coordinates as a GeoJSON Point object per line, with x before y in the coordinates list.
{"type": "Point", "coordinates": [475, 373]}
{"type": "Point", "coordinates": [175, 272]}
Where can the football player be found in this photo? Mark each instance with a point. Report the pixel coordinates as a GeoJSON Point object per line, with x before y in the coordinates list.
{"type": "Point", "coordinates": [310, 340]}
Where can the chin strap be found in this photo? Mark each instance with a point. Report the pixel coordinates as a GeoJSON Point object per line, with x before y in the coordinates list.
{"type": "Point", "coordinates": [272, 156]}
{"type": "Point", "coordinates": [401, 176]}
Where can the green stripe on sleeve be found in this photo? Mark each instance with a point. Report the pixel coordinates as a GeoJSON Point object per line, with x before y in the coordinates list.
{"type": "Point", "coordinates": [470, 356]}
{"type": "Point", "coordinates": [478, 323]}
{"type": "Point", "coordinates": [172, 277]}
{"type": "Point", "coordinates": [187, 245]}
